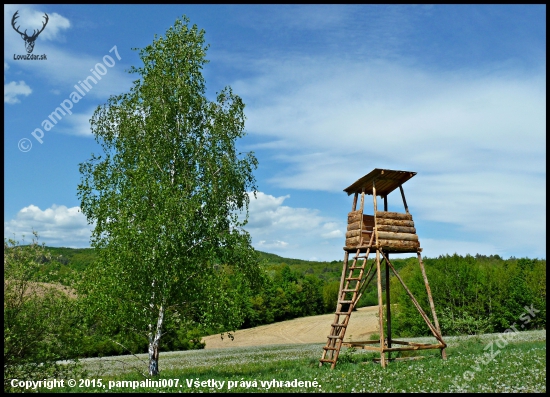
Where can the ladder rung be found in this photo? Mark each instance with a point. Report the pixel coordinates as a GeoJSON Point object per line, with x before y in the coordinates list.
{"type": "Point", "coordinates": [330, 348]}
{"type": "Point", "coordinates": [334, 337]}
{"type": "Point", "coordinates": [343, 313]}
{"type": "Point", "coordinates": [338, 325]}
{"type": "Point", "coordinates": [345, 301]}
{"type": "Point", "coordinates": [325, 360]}
{"type": "Point", "coordinates": [349, 290]}
{"type": "Point", "coordinates": [353, 278]}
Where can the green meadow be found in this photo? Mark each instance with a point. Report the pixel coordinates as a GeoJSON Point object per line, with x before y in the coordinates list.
{"type": "Point", "coordinates": [495, 363]}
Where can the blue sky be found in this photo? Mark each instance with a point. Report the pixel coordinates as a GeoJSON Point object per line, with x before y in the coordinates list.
{"type": "Point", "coordinates": [456, 93]}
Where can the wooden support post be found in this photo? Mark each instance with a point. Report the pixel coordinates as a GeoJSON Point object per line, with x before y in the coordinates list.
{"type": "Point", "coordinates": [388, 309]}
{"type": "Point", "coordinates": [380, 310]}
{"type": "Point", "coordinates": [361, 220]}
{"type": "Point", "coordinates": [379, 283]}
{"type": "Point", "coordinates": [354, 205]}
{"type": "Point", "coordinates": [403, 197]}
{"type": "Point", "coordinates": [430, 299]}
{"type": "Point", "coordinates": [375, 230]}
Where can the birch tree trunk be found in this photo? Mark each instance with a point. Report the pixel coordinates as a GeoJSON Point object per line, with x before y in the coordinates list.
{"type": "Point", "coordinates": [154, 341]}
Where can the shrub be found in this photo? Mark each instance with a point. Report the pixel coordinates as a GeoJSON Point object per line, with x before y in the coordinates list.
{"type": "Point", "coordinates": [40, 321]}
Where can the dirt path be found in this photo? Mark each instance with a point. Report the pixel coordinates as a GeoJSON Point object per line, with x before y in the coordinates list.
{"type": "Point", "coordinates": [313, 329]}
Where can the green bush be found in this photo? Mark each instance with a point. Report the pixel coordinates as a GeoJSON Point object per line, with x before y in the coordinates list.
{"type": "Point", "coordinates": [330, 296]}
{"type": "Point", "coordinates": [40, 322]}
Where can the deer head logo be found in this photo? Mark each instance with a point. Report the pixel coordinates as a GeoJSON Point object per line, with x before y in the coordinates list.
{"type": "Point", "coordinates": [29, 40]}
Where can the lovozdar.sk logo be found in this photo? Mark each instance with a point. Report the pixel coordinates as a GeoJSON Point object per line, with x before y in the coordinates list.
{"type": "Point", "coordinates": [29, 40]}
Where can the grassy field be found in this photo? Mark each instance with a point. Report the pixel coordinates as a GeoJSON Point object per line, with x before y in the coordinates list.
{"type": "Point", "coordinates": [487, 363]}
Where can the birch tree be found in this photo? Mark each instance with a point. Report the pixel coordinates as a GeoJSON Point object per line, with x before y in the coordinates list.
{"type": "Point", "coordinates": [168, 197]}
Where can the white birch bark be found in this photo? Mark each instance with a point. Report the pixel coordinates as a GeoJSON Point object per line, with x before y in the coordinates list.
{"type": "Point", "coordinates": [154, 344]}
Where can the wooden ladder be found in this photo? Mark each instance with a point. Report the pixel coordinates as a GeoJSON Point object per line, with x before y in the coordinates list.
{"type": "Point", "coordinates": [350, 292]}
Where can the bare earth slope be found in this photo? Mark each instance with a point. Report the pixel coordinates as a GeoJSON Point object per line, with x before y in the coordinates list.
{"type": "Point", "coordinates": [313, 329]}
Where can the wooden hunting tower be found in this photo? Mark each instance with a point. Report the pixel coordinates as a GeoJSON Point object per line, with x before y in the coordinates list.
{"type": "Point", "coordinates": [383, 233]}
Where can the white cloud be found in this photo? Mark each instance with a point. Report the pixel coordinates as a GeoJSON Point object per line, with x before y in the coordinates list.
{"type": "Point", "coordinates": [295, 17]}
{"type": "Point", "coordinates": [332, 231]}
{"type": "Point", "coordinates": [266, 213]}
{"type": "Point", "coordinates": [56, 24]}
{"type": "Point", "coordinates": [333, 234]}
{"type": "Point", "coordinates": [506, 211]}
{"type": "Point", "coordinates": [394, 114]}
{"type": "Point", "coordinates": [273, 226]}
{"type": "Point", "coordinates": [13, 89]}
{"type": "Point", "coordinates": [264, 245]}
{"type": "Point", "coordinates": [289, 231]}
{"type": "Point", "coordinates": [477, 139]}
{"type": "Point", "coordinates": [56, 226]}
{"type": "Point", "coordinates": [78, 124]}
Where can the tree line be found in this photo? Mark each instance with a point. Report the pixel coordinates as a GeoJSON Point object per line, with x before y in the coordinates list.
{"type": "Point", "coordinates": [472, 294]}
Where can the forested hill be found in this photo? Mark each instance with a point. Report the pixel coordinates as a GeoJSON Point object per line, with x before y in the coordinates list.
{"type": "Point", "coordinates": [65, 260]}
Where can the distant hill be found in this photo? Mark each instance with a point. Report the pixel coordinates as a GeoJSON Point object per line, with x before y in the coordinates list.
{"type": "Point", "coordinates": [66, 260]}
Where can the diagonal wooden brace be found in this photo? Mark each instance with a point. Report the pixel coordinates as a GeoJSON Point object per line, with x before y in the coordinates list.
{"type": "Point", "coordinates": [416, 304]}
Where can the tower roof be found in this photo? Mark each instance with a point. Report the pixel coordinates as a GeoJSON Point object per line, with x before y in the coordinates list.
{"type": "Point", "coordinates": [386, 181]}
